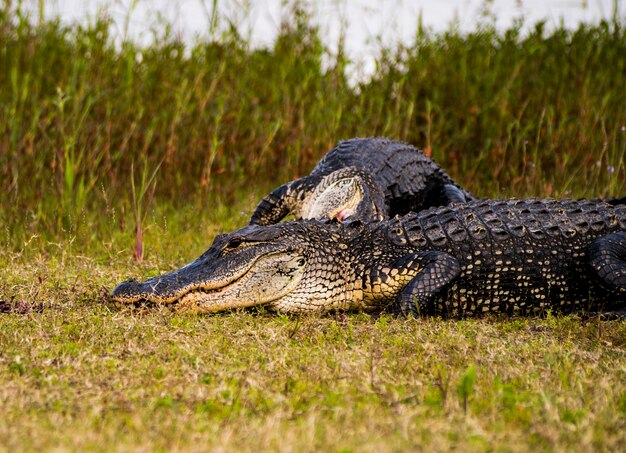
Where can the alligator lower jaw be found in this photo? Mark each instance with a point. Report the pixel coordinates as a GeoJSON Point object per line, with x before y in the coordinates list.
{"type": "Point", "coordinates": [172, 301]}
{"type": "Point", "coordinates": [189, 302]}
{"type": "Point", "coordinates": [196, 302]}
{"type": "Point", "coordinates": [242, 293]}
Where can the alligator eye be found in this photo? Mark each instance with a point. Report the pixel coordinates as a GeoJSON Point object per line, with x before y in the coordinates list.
{"type": "Point", "coordinates": [233, 243]}
{"type": "Point", "coordinates": [398, 231]}
{"type": "Point", "coordinates": [301, 261]}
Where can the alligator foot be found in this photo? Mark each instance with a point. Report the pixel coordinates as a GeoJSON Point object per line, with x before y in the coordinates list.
{"type": "Point", "coordinates": [436, 270]}
{"type": "Point", "coordinates": [453, 194]}
{"type": "Point", "coordinates": [607, 256]}
{"type": "Point", "coordinates": [616, 315]}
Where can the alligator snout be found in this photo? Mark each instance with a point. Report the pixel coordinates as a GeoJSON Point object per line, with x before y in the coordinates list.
{"type": "Point", "coordinates": [127, 290]}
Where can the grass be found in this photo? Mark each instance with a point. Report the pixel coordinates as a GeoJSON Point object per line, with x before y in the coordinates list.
{"type": "Point", "coordinates": [540, 113]}
{"type": "Point", "coordinates": [106, 148]}
{"type": "Point", "coordinates": [81, 374]}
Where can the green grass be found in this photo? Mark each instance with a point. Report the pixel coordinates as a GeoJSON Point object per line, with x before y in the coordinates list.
{"type": "Point", "coordinates": [219, 123]}
{"type": "Point", "coordinates": [80, 374]}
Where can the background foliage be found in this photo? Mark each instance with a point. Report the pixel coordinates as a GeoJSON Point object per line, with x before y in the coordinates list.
{"type": "Point", "coordinates": [541, 113]}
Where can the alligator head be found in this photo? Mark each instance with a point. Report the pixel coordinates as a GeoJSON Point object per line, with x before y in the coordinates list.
{"type": "Point", "coordinates": [346, 193]}
{"type": "Point", "coordinates": [285, 266]}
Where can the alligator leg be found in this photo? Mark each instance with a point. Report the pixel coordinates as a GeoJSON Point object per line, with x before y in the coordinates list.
{"type": "Point", "coordinates": [616, 315]}
{"type": "Point", "coordinates": [280, 202]}
{"type": "Point", "coordinates": [436, 270]}
{"type": "Point", "coordinates": [453, 194]}
{"type": "Point", "coordinates": [607, 256]}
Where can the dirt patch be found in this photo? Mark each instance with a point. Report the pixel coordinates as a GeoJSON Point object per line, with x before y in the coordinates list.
{"type": "Point", "coordinates": [20, 307]}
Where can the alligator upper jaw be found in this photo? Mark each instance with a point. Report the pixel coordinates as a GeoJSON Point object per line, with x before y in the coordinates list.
{"type": "Point", "coordinates": [266, 279]}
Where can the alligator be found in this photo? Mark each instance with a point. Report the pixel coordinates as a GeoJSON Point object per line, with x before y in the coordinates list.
{"type": "Point", "coordinates": [510, 256]}
{"type": "Point", "coordinates": [363, 179]}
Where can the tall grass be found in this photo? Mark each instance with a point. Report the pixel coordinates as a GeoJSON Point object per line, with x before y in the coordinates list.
{"type": "Point", "coordinates": [508, 113]}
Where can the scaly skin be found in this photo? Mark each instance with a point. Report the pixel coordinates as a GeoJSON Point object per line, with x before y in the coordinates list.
{"type": "Point", "coordinates": [394, 177]}
{"type": "Point", "coordinates": [504, 256]}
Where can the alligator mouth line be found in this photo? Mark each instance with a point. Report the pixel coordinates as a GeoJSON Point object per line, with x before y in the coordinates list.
{"type": "Point", "coordinates": [199, 292]}
{"type": "Point", "coordinates": [203, 288]}
{"type": "Point", "coordinates": [172, 300]}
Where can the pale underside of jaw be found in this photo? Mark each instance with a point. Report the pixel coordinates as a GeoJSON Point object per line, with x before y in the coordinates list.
{"type": "Point", "coordinates": [339, 200]}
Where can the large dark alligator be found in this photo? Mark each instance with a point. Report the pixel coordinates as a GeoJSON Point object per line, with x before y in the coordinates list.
{"type": "Point", "coordinates": [363, 179]}
{"type": "Point", "coordinates": [507, 256]}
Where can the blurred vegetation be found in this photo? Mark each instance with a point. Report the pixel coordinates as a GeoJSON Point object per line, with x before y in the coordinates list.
{"type": "Point", "coordinates": [538, 113]}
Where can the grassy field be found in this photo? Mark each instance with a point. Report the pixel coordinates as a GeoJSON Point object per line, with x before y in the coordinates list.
{"type": "Point", "coordinates": [120, 161]}
{"type": "Point", "coordinates": [82, 375]}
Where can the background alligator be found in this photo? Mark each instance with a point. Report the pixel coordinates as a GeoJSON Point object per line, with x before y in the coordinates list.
{"type": "Point", "coordinates": [365, 179]}
{"type": "Point", "coordinates": [509, 256]}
